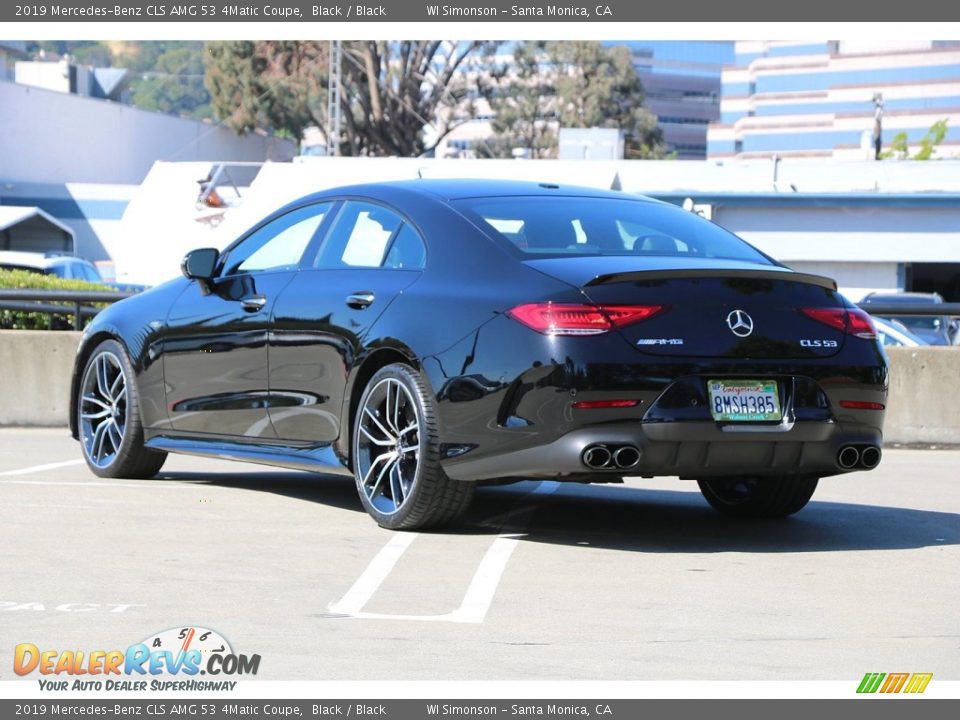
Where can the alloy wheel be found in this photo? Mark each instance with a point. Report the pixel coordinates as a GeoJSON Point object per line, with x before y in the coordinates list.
{"type": "Point", "coordinates": [388, 446]}
{"type": "Point", "coordinates": [103, 409]}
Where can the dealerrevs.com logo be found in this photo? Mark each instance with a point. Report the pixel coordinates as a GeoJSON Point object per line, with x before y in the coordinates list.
{"type": "Point", "coordinates": [168, 660]}
{"type": "Point", "coordinates": [888, 683]}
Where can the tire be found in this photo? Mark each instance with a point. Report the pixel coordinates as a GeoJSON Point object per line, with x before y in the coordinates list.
{"type": "Point", "coordinates": [396, 454]}
{"type": "Point", "coordinates": [758, 497]}
{"type": "Point", "coordinates": [108, 417]}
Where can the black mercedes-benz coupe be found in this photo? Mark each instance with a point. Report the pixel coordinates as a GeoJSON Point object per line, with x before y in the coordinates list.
{"type": "Point", "coordinates": [426, 336]}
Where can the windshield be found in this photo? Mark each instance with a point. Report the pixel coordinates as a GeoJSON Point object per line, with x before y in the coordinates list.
{"type": "Point", "coordinates": [921, 323]}
{"type": "Point", "coordinates": [538, 226]}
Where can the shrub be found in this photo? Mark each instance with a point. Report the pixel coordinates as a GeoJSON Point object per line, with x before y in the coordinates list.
{"type": "Point", "coordinates": [26, 280]}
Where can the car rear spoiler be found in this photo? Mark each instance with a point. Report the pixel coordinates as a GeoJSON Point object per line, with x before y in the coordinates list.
{"type": "Point", "coordinates": [753, 274]}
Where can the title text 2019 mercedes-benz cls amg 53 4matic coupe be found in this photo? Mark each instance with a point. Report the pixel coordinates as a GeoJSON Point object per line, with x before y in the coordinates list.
{"type": "Point", "coordinates": [428, 335]}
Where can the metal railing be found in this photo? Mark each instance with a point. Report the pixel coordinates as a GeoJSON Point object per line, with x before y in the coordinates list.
{"type": "Point", "coordinates": [949, 309]}
{"type": "Point", "coordinates": [74, 302]}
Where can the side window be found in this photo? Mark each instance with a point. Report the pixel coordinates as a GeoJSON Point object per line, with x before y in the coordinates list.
{"type": "Point", "coordinates": [279, 244]}
{"type": "Point", "coordinates": [359, 237]}
{"type": "Point", "coordinates": [406, 251]}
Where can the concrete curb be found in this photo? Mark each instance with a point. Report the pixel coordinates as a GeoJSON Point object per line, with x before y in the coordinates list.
{"type": "Point", "coordinates": [924, 404]}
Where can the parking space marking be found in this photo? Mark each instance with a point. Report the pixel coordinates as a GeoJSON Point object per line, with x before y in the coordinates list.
{"type": "Point", "coordinates": [372, 578]}
{"type": "Point", "coordinates": [146, 484]}
{"type": "Point", "coordinates": [41, 468]}
{"type": "Point", "coordinates": [481, 591]}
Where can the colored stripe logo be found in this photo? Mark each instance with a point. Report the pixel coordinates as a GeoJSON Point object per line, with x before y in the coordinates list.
{"type": "Point", "coordinates": [888, 683]}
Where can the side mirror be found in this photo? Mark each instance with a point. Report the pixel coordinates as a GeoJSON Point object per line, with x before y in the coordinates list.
{"type": "Point", "coordinates": [200, 264]}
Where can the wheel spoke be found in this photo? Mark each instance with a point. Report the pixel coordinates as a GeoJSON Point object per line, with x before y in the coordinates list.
{"type": "Point", "coordinates": [377, 422]}
{"type": "Point", "coordinates": [96, 401]}
{"type": "Point", "coordinates": [375, 441]}
{"type": "Point", "coordinates": [404, 449]}
{"type": "Point", "coordinates": [116, 437]}
{"type": "Point", "coordinates": [383, 472]}
{"type": "Point", "coordinates": [396, 408]}
{"type": "Point", "coordinates": [96, 445]}
{"type": "Point", "coordinates": [409, 428]}
{"type": "Point", "coordinates": [117, 387]}
{"type": "Point", "coordinates": [103, 382]}
{"type": "Point", "coordinates": [96, 415]}
{"type": "Point", "coordinates": [396, 485]}
{"type": "Point", "coordinates": [376, 461]}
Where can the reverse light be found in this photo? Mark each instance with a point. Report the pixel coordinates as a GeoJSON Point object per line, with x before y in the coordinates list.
{"type": "Point", "coordinates": [597, 404]}
{"type": "Point", "coordinates": [854, 322]}
{"type": "Point", "coordinates": [569, 319]}
{"type": "Point", "coordinates": [861, 405]}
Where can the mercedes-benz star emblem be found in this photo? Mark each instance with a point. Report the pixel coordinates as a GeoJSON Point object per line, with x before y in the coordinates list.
{"type": "Point", "coordinates": [740, 323]}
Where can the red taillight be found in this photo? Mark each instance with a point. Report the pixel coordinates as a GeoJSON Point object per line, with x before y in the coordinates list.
{"type": "Point", "coordinates": [860, 405]}
{"type": "Point", "coordinates": [566, 319]}
{"type": "Point", "coordinates": [598, 404]}
{"type": "Point", "coordinates": [853, 322]}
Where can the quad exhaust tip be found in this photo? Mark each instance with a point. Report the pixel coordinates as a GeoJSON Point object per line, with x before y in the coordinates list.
{"type": "Point", "coordinates": [848, 457]}
{"type": "Point", "coordinates": [862, 457]}
{"type": "Point", "coordinates": [870, 457]}
{"type": "Point", "coordinates": [611, 457]}
{"type": "Point", "coordinates": [597, 457]}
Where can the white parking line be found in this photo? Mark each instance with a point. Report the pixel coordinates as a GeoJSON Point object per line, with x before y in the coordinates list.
{"type": "Point", "coordinates": [40, 468]}
{"type": "Point", "coordinates": [145, 484]}
{"type": "Point", "coordinates": [480, 593]}
{"type": "Point", "coordinates": [371, 579]}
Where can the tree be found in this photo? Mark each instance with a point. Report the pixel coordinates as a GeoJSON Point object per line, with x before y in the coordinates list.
{"type": "Point", "coordinates": [521, 95]}
{"type": "Point", "coordinates": [390, 91]}
{"type": "Point", "coordinates": [598, 86]}
{"type": "Point", "coordinates": [278, 85]}
{"type": "Point", "coordinates": [900, 145]}
{"type": "Point", "coordinates": [569, 84]}
{"type": "Point", "coordinates": [173, 83]}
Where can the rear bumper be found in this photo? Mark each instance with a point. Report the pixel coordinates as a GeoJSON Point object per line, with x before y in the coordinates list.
{"type": "Point", "coordinates": [686, 449]}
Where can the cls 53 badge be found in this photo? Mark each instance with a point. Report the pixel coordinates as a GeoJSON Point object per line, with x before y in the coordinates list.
{"type": "Point", "coordinates": [818, 343]}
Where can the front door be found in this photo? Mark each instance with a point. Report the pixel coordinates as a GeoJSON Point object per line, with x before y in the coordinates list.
{"type": "Point", "coordinates": [215, 346]}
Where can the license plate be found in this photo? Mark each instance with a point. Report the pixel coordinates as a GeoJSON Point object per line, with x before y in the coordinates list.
{"type": "Point", "coordinates": [744, 400]}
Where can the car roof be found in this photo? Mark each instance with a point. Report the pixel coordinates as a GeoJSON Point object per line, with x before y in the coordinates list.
{"type": "Point", "coordinates": [30, 259]}
{"type": "Point", "coordinates": [454, 188]}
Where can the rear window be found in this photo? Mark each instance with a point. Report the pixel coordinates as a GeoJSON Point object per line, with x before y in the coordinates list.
{"type": "Point", "coordinates": [565, 226]}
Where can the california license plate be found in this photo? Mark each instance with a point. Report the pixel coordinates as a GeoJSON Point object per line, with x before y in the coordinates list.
{"type": "Point", "coordinates": [744, 400]}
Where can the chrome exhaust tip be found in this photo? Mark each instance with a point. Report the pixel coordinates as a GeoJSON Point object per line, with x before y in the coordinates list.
{"type": "Point", "coordinates": [626, 457]}
{"type": "Point", "coordinates": [848, 457]}
{"type": "Point", "coordinates": [596, 457]}
{"type": "Point", "coordinates": [870, 457]}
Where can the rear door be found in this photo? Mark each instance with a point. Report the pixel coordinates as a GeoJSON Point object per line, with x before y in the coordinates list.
{"type": "Point", "coordinates": [320, 322]}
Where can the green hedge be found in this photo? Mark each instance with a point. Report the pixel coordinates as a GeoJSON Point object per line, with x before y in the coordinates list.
{"type": "Point", "coordinates": [23, 279]}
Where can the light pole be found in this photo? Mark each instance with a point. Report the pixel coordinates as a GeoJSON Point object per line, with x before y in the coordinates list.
{"type": "Point", "coordinates": [877, 125]}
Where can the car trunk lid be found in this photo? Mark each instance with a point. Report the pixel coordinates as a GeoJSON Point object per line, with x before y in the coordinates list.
{"type": "Point", "coordinates": [711, 308]}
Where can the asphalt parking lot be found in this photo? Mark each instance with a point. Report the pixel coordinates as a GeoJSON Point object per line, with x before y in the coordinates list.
{"type": "Point", "coordinates": [542, 581]}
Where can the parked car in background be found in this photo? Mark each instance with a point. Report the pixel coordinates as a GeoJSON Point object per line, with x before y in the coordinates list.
{"type": "Point", "coordinates": [932, 329]}
{"type": "Point", "coordinates": [68, 267]}
{"type": "Point", "coordinates": [891, 333]}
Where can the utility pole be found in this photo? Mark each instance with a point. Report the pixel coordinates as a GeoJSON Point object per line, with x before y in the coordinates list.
{"type": "Point", "coordinates": [877, 125]}
{"type": "Point", "coordinates": [333, 99]}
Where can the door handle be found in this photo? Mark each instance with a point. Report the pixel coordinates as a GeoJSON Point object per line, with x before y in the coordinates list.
{"type": "Point", "coordinates": [360, 300]}
{"type": "Point", "coordinates": [255, 303]}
